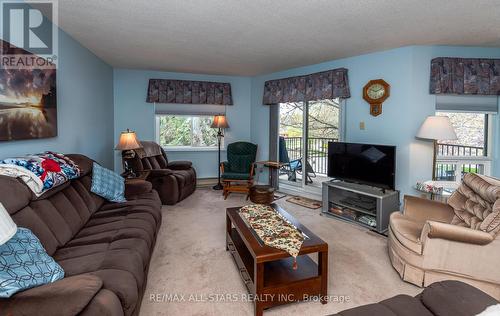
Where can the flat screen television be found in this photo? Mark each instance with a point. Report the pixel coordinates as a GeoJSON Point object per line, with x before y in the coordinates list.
{"type": "Point", "coordinates": [363, 163]}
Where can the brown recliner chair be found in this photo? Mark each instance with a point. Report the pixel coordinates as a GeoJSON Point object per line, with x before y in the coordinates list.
{"type": "Point", "coordinates": [174, 180]}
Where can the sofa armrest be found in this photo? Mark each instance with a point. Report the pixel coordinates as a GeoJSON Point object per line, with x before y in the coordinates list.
{"type": "Point", "coordinates": [66, 297]}
{"type": "Point", "coordinates": [136, 187]}
{"type": "Point", "coordinates": [451, 232]}
{"type": "Point", "coordinates": [455, 298]}
{"type": "Point", "coordinates": [180, 165]}
{"type": "Point", "coordinates": [156, 173]}
{"type": "Point", "coordinates": [424, 209]}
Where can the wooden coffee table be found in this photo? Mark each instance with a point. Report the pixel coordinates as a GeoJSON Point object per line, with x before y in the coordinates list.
{"type": "Point", "coordinates": [267, 272]}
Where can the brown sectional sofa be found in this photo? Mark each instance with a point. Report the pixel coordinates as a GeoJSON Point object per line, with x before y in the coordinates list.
{"type": "Point", "coordinates": [447, 298]}
{"type": "Point", "coordinates": [104, 248]}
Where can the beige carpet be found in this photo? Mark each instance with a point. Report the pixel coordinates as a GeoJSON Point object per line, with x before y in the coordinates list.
{"type": "Point", "coordinates": [190, 260]}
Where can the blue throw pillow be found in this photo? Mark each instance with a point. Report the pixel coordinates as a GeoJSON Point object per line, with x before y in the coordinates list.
{"type": "Point", "coordinates": [108, 184]}
{"type": "Point", "coordinates": [25, 264]}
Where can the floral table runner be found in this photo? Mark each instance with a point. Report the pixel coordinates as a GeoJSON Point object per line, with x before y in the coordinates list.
{"type": "Point", "coordinates": [274, 230]}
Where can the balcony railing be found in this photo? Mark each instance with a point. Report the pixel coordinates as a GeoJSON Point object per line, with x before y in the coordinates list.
{"type": "Point", "coordinates": [454, 170]}
{"type": "Point", "coordinates": [446, 169]}
{"type": "Point", "coordinates": [317, 151]}
{"type": "Point", "coordinates": [456, 160]}
{"type": "Point", "coordinates": [460, 150]}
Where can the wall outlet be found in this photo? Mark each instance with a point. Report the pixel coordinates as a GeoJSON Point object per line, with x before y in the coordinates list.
{"type": "Point", "coordinates": [362, 125]}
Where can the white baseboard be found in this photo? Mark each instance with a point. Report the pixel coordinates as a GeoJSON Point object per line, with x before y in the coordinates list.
{"type": "Point", "coordinates": [292, 190]}
{"type": "Point", "coordinates": [205, 182]}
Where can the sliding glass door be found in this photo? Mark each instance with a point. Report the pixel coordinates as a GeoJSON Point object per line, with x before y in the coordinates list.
{"type": "Point", "coordinates": [290, 142]}
{"type": "Point", "coordinates": [313, 123]}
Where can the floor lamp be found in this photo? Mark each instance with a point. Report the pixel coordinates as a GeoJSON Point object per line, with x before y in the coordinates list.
{"type": "Point", "coordinates": [219, 122]}
{"type": "Point", "coordinates": [436, 128]}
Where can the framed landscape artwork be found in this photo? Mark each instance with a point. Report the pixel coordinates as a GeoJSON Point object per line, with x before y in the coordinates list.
{"type": "Point", "coordinates": [28, 104]}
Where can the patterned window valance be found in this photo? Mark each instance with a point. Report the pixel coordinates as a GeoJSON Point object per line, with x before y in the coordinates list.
{"type": "Point", "coordinates": [465, 76]}
{"type": "Point", "coordinates": [193, 92]}
{"type": "Point", "coordinates": [329, 84]}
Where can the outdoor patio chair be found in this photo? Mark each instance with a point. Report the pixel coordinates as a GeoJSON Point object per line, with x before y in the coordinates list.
{"type": "Point", "coordinates": [292, 167]}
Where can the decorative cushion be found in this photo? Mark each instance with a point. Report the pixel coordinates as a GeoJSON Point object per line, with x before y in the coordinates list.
{"type": "Point", "coordinates": [235, 176]}
{"type": "Point", "coordinates": [25, 264]}
{"type": "Point", "coordinates": [240, 163]}
{"type": "Point", "coordinates": [476, 204]}
{"type": "Point", "coordinates": [241, 156]}
{"type": "Point", "coordinates": [108, 184]}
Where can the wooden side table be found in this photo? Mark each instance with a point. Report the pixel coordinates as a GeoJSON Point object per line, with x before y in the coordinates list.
{"type": "Point", "coordinates": [274, 167]}
{"type": "Point", "coordinates": [141, 175]}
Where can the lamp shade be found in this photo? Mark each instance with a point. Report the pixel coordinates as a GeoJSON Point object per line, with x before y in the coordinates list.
{"type": "Point", "coordinates": [7, 226]}
{"type": "Point", "coordinates": [128, 141]}
{"type": "Point", "coordinates": [220, 122]}
{"type": "Point", "coordinates": [437, 128]}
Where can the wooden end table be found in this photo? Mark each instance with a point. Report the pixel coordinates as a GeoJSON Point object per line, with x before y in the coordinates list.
{"type": "Point", "coordinates": [267, 272]}
{"type": "Point", "coordinates": [273, 167]}
{"type": "Point", "coordinates": [141, 175]}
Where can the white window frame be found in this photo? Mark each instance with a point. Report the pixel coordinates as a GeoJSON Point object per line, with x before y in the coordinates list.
{"type": "Point", "coordinates": [184, 148]}
{"type": "Point", "coordinates": [302, 186]}
{"type": "Point", "coordinates": [460, 161]}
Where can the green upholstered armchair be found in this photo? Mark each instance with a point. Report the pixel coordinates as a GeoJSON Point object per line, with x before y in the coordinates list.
{"type": "Point", "coordinates": [237, 172]}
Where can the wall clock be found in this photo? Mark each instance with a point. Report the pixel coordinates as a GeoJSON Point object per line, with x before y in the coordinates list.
{"type": "Point", "coordinates": [375, 92]}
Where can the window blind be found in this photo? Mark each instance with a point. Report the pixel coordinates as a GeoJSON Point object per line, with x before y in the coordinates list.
{"type": "Point", "coordinates": [467, 103]}
{"type": "Point", "coordinates": [188, 109]}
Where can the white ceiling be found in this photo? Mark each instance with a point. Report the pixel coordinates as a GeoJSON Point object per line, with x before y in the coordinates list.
{"type": "Point", "coordinates": [237, 37]}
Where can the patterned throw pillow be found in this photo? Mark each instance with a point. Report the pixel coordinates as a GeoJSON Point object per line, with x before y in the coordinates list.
{"type": "Point", "coordinates": [25, 264]}
{"type": "Point", "coordinates": [108, 184]}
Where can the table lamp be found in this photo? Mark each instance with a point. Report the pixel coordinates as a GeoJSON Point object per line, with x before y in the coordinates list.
{"type": "Point", "coordinates": [436, 128]}
{"type": "Point", "coordinates": [127, 143]}
{"type": "Point", "coordinates": [7, 226]}
{"type": "Point", "coordinates": [219, 122]}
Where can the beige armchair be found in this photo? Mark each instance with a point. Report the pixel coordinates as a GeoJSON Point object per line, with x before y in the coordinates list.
{"type": "Point", "coordinates": [425, 247]}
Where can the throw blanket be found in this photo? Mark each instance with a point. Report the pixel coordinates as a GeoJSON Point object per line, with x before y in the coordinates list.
{"type": "Point", "coordinates": [274, 230]}
{"type": "Point", "coordinates": [40, 172]}
{"type": "Point", "coordinates": [476, 203]}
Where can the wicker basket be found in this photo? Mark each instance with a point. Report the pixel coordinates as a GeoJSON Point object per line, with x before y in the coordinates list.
{"type": "Point", "coordinates": [262, 194]}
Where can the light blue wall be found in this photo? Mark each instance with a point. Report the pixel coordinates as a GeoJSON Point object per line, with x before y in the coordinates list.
{"type": "Point", "coordinates": [132, 111]}
{"type": "Point", "coordinates": [96, 103]}
{"type": "Point", "coordinates": [84, 107]}
{"type": "Point", "coordinates": [407, 70]}
{"type": "Point", "coordinates": [420, 96]}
